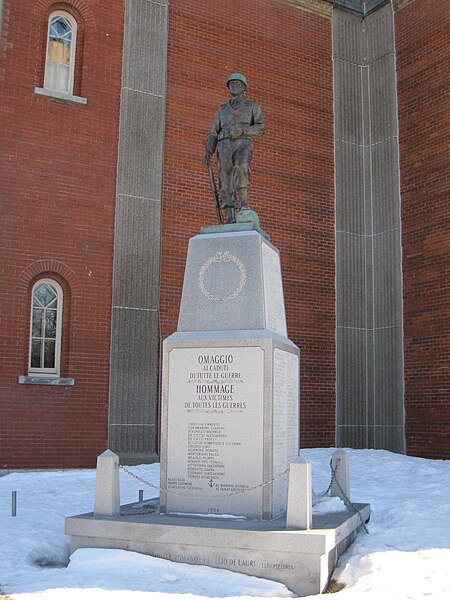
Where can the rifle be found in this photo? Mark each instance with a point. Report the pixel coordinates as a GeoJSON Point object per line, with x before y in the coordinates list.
{"type": "Point", "coordinates": [214, 189]}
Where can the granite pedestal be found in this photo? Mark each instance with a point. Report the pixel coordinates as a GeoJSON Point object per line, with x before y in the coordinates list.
{"type": "Point", "coordinates": [230, 396]}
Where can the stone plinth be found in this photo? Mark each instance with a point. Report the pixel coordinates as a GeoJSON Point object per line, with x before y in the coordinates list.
{"type": "Point", "coordinates": [232, 282]}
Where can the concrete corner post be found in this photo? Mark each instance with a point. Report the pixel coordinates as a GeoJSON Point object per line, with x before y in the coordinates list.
{"type": "Point", "coordinates": [299, 509]}
{"type": "Point", "coordinates": [341, 482]}
{"type": "Point", "coordinates": [107, 490]}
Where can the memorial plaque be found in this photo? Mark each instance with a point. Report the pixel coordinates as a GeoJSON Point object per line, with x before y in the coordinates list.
{"type": "Point", "coordinates": [215, 430]}
{"type": "Point", "coordinates": [273, 291]}
{"type": "Point", "coordinates": [285, 441]}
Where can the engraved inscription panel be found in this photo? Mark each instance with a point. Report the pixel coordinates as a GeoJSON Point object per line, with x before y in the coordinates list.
{"type": "Point", "coordinates": [273, 292]}
{"type": "Point", "coordinates": [215, 430]}
{"type": "Point", "coordinates": [243, 561]}
{"type": "Point", "coordinates": [285, 422]}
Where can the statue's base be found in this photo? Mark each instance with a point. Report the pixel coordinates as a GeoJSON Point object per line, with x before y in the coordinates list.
{"type": "Point", "coordinates": [232, 227]}
{"type": "Point", "coordinates": [303, 560]}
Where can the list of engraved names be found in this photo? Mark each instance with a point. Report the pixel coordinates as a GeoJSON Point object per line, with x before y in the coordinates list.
{"type": "Point", "coordinates": [285, 430]}
{"type": "Point", "coordinates": [215, 401]}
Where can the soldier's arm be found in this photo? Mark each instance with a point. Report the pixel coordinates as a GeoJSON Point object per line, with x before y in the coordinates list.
{"type": "Point", "coordinates": [211, 138]}
{"type": "Point", "coordinates": [258, 126]}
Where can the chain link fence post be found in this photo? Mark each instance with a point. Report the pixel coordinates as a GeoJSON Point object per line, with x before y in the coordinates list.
{"type": "Point", "coordinates": [14, 504]}
{"type": "Point", "coordinates": [340, 483]}
{"type": "Point", "coordinates": [107, 489]}
{"type": "Point", "coordinates": [299, 507]}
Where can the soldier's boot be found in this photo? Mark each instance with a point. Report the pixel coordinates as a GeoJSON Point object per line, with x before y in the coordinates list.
{"type": "Point", "coordinates": [229, 215]}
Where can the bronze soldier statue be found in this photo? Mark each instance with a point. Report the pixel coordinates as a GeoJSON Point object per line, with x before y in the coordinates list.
{"type": "Point", "coordinates": [235, 124]}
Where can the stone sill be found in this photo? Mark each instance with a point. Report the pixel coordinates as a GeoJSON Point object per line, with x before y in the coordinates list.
{"type": "Point", "coordinates": [35, 380]}
{"type": "Point", "coordinates": [59, 95]}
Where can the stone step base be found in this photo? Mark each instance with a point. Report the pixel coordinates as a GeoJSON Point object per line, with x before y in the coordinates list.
{"type": "Point", "coordinates": [302, 560]}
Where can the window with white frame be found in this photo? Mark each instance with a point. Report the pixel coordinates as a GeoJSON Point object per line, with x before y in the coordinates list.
{"type": "Point", "coordinates": [46, 326]}
{"type": "Point", "coordinates": [60, 58]}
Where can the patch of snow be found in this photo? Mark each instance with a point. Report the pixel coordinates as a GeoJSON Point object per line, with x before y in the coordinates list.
{"type": "Point", "coordinates": [328, 505]}
{"type": "Point", "coordinates": [406, 555]}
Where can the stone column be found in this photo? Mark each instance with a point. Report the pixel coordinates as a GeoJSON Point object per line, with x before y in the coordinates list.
{"type": "Point", "coordinates": [369, 317]}
{"type": "Point", "coordinates": [135, 313]}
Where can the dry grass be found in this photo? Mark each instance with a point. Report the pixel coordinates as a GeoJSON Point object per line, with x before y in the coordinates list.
{"type": "Point", "coordinates": [333, 587]}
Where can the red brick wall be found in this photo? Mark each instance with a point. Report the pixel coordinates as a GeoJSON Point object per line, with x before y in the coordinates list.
{"type": "Point", "coordinates": [285, 53]}
{"type": "Point", "coordinates": [58, 174]}
{"type": "Point", "coordinates": [422, 67]}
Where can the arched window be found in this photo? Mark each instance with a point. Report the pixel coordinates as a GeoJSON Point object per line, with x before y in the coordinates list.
{"type": "Point", "coordinates": [60, 58]}
{"type": "Point", "coordinates": [45, 331]}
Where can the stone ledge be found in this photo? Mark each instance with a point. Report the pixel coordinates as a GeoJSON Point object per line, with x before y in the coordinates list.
{"type": "Point", "coordinates": [59, 95]}
{"type": "Point", "coordinates": [316, 7]}
{"type": "Point", "coordinates": [399, 4]}
{"type": "Point", "coordinates": [232, 228]}
{"type": "Point", "coordinates": [29, 379]}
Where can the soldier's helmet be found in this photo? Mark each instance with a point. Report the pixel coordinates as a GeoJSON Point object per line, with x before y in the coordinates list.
{"type": "Point", "coordinates": [237, 77]}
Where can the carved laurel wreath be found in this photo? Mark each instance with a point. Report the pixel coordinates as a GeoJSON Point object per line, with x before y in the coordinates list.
{"type": "Point", "coordinates": [217, 258]}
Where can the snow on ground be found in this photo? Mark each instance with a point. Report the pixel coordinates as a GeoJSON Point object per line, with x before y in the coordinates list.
{"type": "Point", "coordinates": [406, 555]}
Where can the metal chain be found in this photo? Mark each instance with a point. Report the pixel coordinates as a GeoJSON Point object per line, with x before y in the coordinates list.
{"type": "Point", "coordinates": [203, 495]}
{"type": "Point", "coordinates": [333, 476]}
{"type": "Point", "coordinates": [348, 503]}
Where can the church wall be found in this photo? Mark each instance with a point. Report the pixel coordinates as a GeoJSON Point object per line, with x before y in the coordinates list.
{"type": "Point", "coordinates": [422, 75]}
{"type": "Point", "coordinates": [58, 175]}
